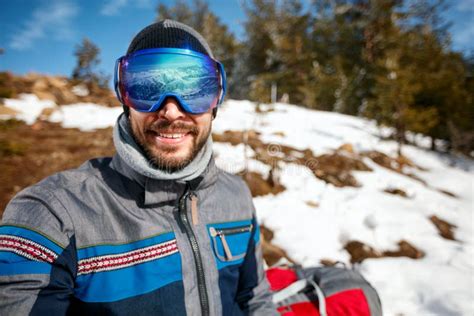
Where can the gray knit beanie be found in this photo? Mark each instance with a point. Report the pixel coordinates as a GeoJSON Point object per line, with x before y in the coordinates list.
{"type": "Point", "coordinates": [169, 33]}
{"type": "Point", "coordinates": [172, 34]}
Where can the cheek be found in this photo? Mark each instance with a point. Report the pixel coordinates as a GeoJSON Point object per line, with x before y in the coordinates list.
{"type": "Point", "coordinates": [139, 123]}
{"type": "Point", "coordinates": [204, 122]}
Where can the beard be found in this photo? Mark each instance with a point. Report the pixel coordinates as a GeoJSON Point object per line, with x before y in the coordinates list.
{"type": "Point", "coordinates": [163, 158]}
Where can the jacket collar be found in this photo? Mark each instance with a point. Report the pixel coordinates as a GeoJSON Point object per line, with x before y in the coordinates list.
{"type": "Point", "coordinates": [155, 191]}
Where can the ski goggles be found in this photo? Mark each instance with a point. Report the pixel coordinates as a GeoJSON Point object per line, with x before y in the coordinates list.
{"type": "Point", "coordinates": [146, 78]}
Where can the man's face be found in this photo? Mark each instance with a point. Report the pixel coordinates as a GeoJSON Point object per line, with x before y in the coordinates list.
{"type": "Point", "coordinates": [170, 137]}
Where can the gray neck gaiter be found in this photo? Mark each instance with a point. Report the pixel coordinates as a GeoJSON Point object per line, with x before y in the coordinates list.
{"type": "Point", "coordinates": [134, 157]}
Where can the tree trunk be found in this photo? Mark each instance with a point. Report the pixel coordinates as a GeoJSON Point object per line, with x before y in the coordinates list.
{"type": "Point", "coordinates": [433, 144]}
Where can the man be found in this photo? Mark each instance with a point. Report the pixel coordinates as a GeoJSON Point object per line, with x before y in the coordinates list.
{"type": "Point", "coordinates": [156, 230]}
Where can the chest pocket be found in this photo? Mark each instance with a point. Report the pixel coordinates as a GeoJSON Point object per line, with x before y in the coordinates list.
{"type": "Point", "coordinates": [230, 241]}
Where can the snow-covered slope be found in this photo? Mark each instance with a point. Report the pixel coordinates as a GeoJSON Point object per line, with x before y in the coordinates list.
{"type": "Point", "coordinates": [440, 283]}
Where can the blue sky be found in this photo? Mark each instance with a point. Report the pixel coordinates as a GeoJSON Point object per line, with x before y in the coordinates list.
{"type": "Point", "coordinates": [40, 35]}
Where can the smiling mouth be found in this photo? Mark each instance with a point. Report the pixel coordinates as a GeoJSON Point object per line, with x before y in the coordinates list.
{"type": "Point", "coordinates": [170, 138]}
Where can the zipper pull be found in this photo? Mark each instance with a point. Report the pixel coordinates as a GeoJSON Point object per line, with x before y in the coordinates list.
{"type": "Point", "coordinates": [194, 209]}
{"type": "Point", "coordinates": [226, 247]}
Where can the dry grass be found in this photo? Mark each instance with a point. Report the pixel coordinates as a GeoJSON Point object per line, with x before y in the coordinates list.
{"type": "Point", "coordinates": [31, 153]}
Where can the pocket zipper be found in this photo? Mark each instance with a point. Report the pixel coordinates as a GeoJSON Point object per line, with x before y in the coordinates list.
{"type": "Point", "coordinates": [221, 232]}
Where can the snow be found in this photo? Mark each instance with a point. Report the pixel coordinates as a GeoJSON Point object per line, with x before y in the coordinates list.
{"type": "Point", "coordinates": [441, 283]}
{"type": "Point", "coordinates": [80, 90]}
{"type": "Point", "coordinates": [28, 106]}
{"type": "Point", "coordinates": [86, 116]}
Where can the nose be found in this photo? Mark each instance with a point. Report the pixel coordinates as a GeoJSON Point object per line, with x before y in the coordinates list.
{"type": "Point", "coordinates": [171, 110]}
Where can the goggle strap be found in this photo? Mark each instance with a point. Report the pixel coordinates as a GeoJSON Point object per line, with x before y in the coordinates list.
{"type": "Point", "coordinates": [117, 79]}
{"type": "Point", "coordinates": [223, 82]}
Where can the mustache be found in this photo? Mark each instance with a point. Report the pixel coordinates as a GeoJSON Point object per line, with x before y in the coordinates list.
{"type": "Point", "coordinates": [170, 127]}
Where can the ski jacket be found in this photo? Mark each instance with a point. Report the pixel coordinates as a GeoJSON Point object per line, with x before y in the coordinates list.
{"type": "Point", "coordinates": [103, 239]}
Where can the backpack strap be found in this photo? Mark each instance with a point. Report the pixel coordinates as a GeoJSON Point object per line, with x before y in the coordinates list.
{"type": "Point", "coordinates": [298, 287]}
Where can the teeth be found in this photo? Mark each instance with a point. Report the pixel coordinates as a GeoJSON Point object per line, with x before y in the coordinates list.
{"type": "Point", "coordinates": [171, 135]}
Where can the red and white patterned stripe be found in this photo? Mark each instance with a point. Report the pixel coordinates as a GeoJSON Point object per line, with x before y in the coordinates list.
{"type": "Point", "coordinates": [127, 259]}
{"type": "Point", "coordinates": [27, 248]}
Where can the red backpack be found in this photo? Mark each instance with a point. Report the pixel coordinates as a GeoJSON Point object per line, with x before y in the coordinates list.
{"type": "Point", "coordinates": [322, 291]}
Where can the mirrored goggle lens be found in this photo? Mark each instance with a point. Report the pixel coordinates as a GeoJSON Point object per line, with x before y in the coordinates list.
{"type": "Point", "coordinates": [145, 80]}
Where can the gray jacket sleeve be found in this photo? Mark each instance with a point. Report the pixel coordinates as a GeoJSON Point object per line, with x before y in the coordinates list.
{"type": "Point", "coordinates": [253, 295]}
{"type": "Point", "coordinates": [37, 259]}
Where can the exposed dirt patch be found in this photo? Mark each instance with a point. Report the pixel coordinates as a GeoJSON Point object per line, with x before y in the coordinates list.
{"type": "Point", "coordinates": [334, 168]}
{"type": "Point", "coordinates": [445, 229]}
{"type": "Point", "coordinates": [405, 249]}
{"type": "Point", "coordinates": [360, 251]}
{"type": "Point", "coordinates": [267, 233]}
{"type": "Point", "coordinates": [312, 204]}
{"type": "Point", "coordinates": [271, 253]}
{"type": "Point", "coordinates": [347, 148]}
{"type": "Point", "coordinates": [396, 191]}
{"type": "Point", "coordinates": [397, 164]}
{"type": "Point", "coordinates": [445, 192]}
{"type": "Point", "coordinates": [328, 262]}
{"type": "Point", "coordinates": [238, 137]}
{"type": "Point", "coordinates": [30, 153]}
{"type": "Point", "coordinates": [279, 133]}
{"type": "Point", "coordinates": [260, 186]}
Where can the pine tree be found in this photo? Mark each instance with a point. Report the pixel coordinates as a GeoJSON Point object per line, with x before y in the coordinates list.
{"type": "Point", "coordinates": [278, 48]}
{"type": "Point", "coordinates": [87, 54]}
{"type": "Point", "coordinates": [259, 67]}
{"type": "Point", "coordinates": [338, 77]}
{"type": "Point", "coordinates": [292, 53]}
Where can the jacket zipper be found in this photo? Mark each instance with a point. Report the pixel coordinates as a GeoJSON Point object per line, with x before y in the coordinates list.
{"type": "Point", "coordinates": [222, 232]}
{"type": "Point", "coordinates": [230, 231]}
{"type": "Point", "coordinates": [201, 280]}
